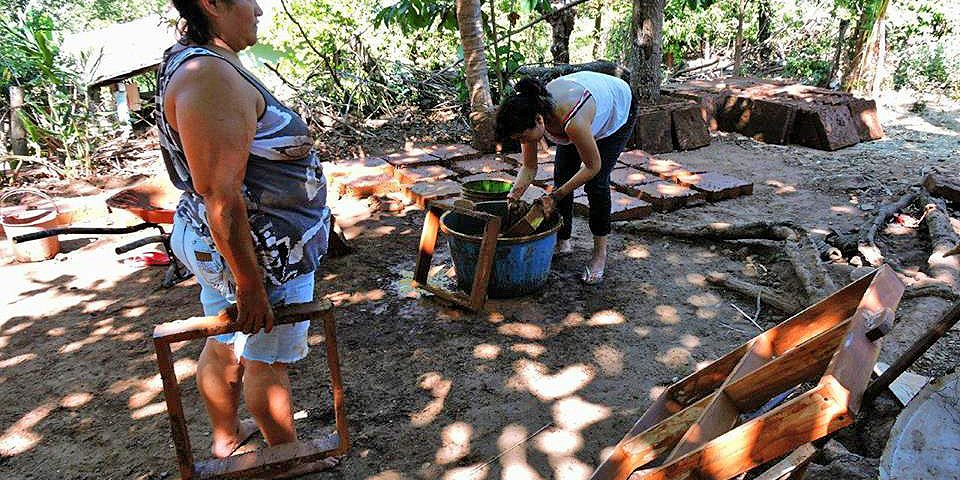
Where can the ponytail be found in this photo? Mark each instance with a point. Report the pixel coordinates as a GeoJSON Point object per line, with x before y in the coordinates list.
{"type": "Point", "coordinates": [518, 112]}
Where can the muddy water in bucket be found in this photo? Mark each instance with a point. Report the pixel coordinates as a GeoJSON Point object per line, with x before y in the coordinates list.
{"type": "Point", "coordinates": [520, 265]}
{"type": "Point", "coordinates": [30, 216]}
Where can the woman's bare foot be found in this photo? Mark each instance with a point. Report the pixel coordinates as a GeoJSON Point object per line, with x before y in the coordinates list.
{"type": "Point", "coordinates": [225, 447]}
{"type": "Point", "coordinates": [593, 273]}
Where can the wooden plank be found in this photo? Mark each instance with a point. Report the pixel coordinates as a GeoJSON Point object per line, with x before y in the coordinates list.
{"type": "Point", "coordinates": [178, 422]}
{"type": "Point", "coordinates": [269, 460]}
{"type": "Point", "coordinates": [852, 365]}
{"type": "Point", "coordinates": [644, 447]}
{"type": "Point", "coordinates": [202, 327]}
{"type": "Point", "coordinates": [799, 421]}
{"type": "Point", "coordinates": [708, 379]}
{"type": "Point", "coordinates": [796, 461]}
{"type": "Point", "coordinates": [805, 362]}
{"type": "Point", "coordinates": [428, 244]}
{"type": "Point", "coordinates": [336, 382]}
{"type": "Point", "coordinates": [488, 248]}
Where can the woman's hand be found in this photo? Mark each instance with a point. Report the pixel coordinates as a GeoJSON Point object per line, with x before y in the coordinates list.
{"type": "Point", "coordinates": [254, 312]}
{"type": "Point", "coordinates": [549, 203]}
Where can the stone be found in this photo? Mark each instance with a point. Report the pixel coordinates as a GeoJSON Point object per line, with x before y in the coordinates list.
{"type": "Point", "coordinates": [425, 173]}
{"type": "Point", "coordinates": [826, 127]}
{"type": "Point", "coordinates": [485, 164]}
{"type": "Point", "coordinates": [689, 129]}
{"type": "Point", "coordinates": [668, 196]}
{"type": "Point", "coordinates": [768, 121]}
{"type": "Point", "coordinates": [454, 152]}
{"type": "Point", "coordinates": [422, 193]}
{"type": "Point", "coordinates": [653, 132]}
{"type": "Point", "coordinates": [627, 179]}
{"type": "Point", "coordinates": [412, 157]}
{"type": "Point", "coordinates": [864, 114]}
{"type": "Point", "coordinates": [716, 186]}
{"type": "Point", "coordinates": [366, 185]}
{"type": "Point", "coordinates": [628, 207]}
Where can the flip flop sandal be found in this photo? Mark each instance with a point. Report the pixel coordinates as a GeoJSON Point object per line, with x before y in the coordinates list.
{"type": "Point", "coordinates": [591, 278]}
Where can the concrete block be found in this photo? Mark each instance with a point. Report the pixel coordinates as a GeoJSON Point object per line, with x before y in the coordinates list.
{"type": "Point", "coordinates": [653, 132]}
{"type": "Point", "coordinates": [689, 129]}
{"type": "Point", "coordinates": [422, 193]}
{"type": "Point", "coordinates": [485, 164]}
{"type": "Point", "coordinates": [410, 175]}
{"type": "Point", "coordinates": [716, 186]}
{"type": "Point", "coordinates": [366, 185]}
{"type": "Point", "coordinates": [627, 179]}
{"type": "Point", "coordinates": [412, 157]}
{"type": "Point", "coordinates": [864, 114]}
{"type": "Point", "coordinates": [628, 207]}
{"type": "Point", "coordinates": [454, 152]}
{"type": "Point", "coordinates": [826, 127]}
{"type": "Point", "coordinates": [768, 121]}
{"type": "Point", "coordinates": [668, 196]}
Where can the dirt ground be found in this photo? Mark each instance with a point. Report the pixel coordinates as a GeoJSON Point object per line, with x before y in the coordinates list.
{"type": "Point", "coordinates": [433, 392]}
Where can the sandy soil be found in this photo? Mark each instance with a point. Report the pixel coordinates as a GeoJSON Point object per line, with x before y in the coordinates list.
{"type": "Point", "coordinates": [432, 392]}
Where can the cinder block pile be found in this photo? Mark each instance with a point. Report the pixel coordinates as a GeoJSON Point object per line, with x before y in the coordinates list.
{"type": "Point", "coordinates": [782, 112]}
{"type": "Point", "coordinates": [640, 183]}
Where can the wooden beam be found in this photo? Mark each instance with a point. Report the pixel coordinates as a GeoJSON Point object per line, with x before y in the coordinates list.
{"type": "Point", "coordinates": [202, 327]}
{"type": "Point", "coordinates": [270, 460]}
{"type": "Point", "coordinates": [792, 464]}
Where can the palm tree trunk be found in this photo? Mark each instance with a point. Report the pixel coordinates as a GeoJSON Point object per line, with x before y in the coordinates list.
{"type": "Point", "coordinates": [475, 70]}
{"type": "Point", "coordinates": [646, 54]}
{"type": "Point", "coordinates": [868, 40]}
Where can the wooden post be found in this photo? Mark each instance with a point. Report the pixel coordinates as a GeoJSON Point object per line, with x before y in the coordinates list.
{"type": "Point", "coordinates": [18, 135]}
{"type": "Point", "coordinates": [133, 96]}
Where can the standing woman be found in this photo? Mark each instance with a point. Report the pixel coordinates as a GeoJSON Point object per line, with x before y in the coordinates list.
{"type": "Point", "coordinates": [252, 221]}
{"type": "Point", "coordinates": [590, 116]}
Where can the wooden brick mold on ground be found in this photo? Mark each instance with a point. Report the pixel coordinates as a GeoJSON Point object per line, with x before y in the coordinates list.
{"type": "Point", "coordinates": [711, 425]}
{"type": "Point", "coordinates": [716, 186]}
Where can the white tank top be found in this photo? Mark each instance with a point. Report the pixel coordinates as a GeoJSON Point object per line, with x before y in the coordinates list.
{"type": "Point", "coordinates": [612, 97]}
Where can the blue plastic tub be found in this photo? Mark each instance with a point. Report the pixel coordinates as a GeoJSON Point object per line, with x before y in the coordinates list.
{"type": "Point", "coordinates": [520, 265]}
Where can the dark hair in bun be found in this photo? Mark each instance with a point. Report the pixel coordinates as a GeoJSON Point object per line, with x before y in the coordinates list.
{"type": "Point", "coordinates": [194, 25]}
{"type": "Point", "coordinates": [518, 112]}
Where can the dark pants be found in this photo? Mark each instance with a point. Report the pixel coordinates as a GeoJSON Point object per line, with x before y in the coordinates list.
{"type": "Point", "coordinates": [567, 163]}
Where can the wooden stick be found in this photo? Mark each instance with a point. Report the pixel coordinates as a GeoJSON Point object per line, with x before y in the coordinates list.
{"type": "Point", "coordinates": [934, 333]}
{"type": "Point", "coordinates": [768, 296]}
{"type": "Point", "coordinates": [867, 241]}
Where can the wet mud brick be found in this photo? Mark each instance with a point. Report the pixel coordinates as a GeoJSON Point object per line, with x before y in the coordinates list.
{"type": "Point", "coordinates": [864, 114]}
{"type": "Point", "coordinates": [533, 192]}
{"type": "Point", "coordinates": [454, 152]}
{"type": "Point", "coordinates": [412, 158]}
{"type": "Point", "coordinates": [768, 121]}
{"type": "Point", "coordinates": [367, 185]}
{"type": "Point", "coordinates": [543, 156]}
{"type": "Point", "coordinates": [485, 164]}
{"type": "Point", "coordinates": [410, 175]}
{"type": "Point", "coordinates": [716, 186]}
{"type": "Point", "coordinates": [357, 166]}
{"type": "Point", "coordinates": [668, 196]}
{"type": "Point", "coordinates": [657, 166]}
{"type": "Point", "coordinates": [826, 127]}
{"type": "Point", "coordinates": [627, 207]}
{"type": "Point", "coordinates": [423, 193]}
{"type": "Point", "coordinates": [653, 132]}
{"type": "Point", "coordinates": [689, 129]}
{"type": "Point", "coordinates": [627, 179]}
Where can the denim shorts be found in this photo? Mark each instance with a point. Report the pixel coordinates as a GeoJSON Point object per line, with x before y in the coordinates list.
{"type": "Point", "coordinates": [285, 343]}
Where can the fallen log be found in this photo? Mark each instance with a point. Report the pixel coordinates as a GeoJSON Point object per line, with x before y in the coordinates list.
{"type": "Point", "coordinates": [768, 296]}
{"type": "Point", "coordinates": [867, 242]}
{"type": "Point", "coordinates": [942, 240]}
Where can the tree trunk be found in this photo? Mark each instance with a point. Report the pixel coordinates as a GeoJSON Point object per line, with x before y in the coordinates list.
{"type": "Point", "coordinates": [867, 42]}
{"type": "Point", "coordinates": [562, 23]}
{"type": "Point", "coordinates": [18, 135]}
{"type": "Point", "coordinates": [838, 50]}
{"type": "Point", "coordinates": [738, 49]}
{"type": "Point", "coordinates": [763, 29]}
{"type": "Point", "coordinates": [598, 32]}
{"type": "Point", "coordinates": [646, 52]}
{"type": "Point", "coordinates": [482, 116]}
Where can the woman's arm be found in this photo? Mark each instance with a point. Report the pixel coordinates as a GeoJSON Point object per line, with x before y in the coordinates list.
{"type": "Point", "coordinates": [528, 171]}
{"type": "Point", "coordinates": [216, 117]}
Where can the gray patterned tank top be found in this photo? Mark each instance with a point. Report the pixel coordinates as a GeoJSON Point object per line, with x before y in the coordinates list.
{"type": "Point", "coordinates": [284, 188]}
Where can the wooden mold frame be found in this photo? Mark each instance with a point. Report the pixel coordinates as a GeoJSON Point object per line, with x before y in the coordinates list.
{"type": "Point", "coordinates": [428, 243]}
{"type": "Point", "coordinates": [700, 427]}
{"type": "Point", "coordinates": [269, 460]}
